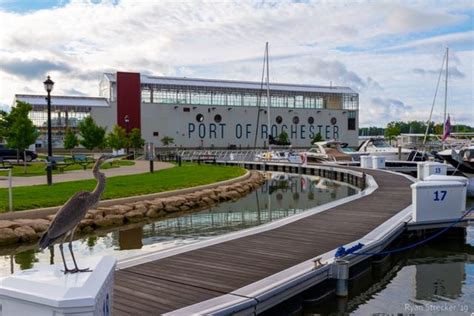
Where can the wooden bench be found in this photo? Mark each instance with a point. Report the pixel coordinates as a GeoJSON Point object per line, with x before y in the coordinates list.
{"type": "Point", "coordinates": [82, 160]}
{"type": "Point", "coordinates": [59, 163]}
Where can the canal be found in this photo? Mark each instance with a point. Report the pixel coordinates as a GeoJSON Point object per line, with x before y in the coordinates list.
{"type": "Point", "coordinates": [280, 196]}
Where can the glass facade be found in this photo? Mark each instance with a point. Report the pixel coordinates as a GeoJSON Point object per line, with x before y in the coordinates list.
{"type": "Point", "coordinates": [212, 96]}
{"type": "Point", "coordinates": [61, 119]}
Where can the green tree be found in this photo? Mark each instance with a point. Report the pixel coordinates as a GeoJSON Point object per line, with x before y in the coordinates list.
{"type": "Point", "coordinates": [136, 140]}
{"type": "Point", "coordinates": [392, 131]}
{"type": "Point", "coordinates": [92, 135]}
{"type": "Point", "coordinates": [317, 138]}
{"type": "Point", "coordinates": [117, 138]}
{"type": "Point", "coordinates": [166, 141]}
{"type": "Point", "coordinates": [70, 140]}
{"type": "Point", "coordinates": [283, 138]}
{"type": "Point", "coordinates": [20, 129]}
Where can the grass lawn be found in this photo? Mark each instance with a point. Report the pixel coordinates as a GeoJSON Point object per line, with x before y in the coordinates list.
{"type": "Point", "coordinates": [189, 175]}
{"type": "Point", "coordinates": [38, 168]}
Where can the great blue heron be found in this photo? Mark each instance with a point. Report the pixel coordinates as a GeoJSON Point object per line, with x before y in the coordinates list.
{"type": "Point", "coordinates": [71, 213]}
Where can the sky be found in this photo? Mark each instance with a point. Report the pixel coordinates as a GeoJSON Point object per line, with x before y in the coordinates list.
{"type": "Point", "coordinates": [390, 52]}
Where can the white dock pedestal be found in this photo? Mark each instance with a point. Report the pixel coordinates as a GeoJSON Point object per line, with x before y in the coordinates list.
{"type": "Point", "coordinates": [378, 162]}
{"type": "Point", "coordinates": [438, 201]}
{"type": "Point", "coordinates": [47, 291]}
{"type": "Point", "coordinates": [366, 162]}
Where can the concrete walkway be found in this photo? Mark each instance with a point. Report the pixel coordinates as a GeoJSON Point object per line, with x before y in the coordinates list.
{"type": "Point", "coordinates": [139, 167]}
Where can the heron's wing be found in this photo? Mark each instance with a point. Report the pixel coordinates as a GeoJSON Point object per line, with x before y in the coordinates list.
{"type": "Point", "coordinates": [69, 215]}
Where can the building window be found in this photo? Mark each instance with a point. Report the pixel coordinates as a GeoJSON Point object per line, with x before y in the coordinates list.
{"type": "Point", "coordinates": [278, 119]}
{"type": "Point", "coordinates": [200, 118]}
{"type": "Point", "coordinates": [146, 96]}
{"type": "Point", "coordinates": [350, 102]}
{"type": "Point", "coordinates": [310, 120]}
{"type": "Point", "coordinates": [296, 119]}
{"type": "Point", "coordinates": [217, 118]}
{"type": "Point", "coordinates": [351, 124]}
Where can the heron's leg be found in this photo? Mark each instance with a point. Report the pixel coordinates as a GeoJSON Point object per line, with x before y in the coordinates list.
{"type": "Point", "coordinates": [66, 270]}
{"type": "Point", "coordinates": [72, 255]}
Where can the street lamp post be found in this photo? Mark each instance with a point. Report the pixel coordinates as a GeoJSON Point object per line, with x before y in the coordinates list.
{"type": "Point", "coordinates": [127, 120]}
{"type": "Point", "coordinates": [48, 86]}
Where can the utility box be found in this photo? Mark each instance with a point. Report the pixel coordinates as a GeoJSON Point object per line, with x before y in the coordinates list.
{"type": "Point", "coordinates": [434, 168]}
{"type": "Point", "coordinates": [47, 291]}
{"type": "Point", "coordinates": [366, 162]}
{"type": "Point", "coordinates": [435, 201]}
{"type": "Point", "coordinates": [378, 162]}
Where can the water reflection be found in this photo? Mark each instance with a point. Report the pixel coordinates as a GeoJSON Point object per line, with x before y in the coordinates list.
{"type": "Point", "coordinates": [280, 196]}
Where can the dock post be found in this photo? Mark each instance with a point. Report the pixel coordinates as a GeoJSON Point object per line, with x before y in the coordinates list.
{"type": "Point", "coordinates": [342, 277]}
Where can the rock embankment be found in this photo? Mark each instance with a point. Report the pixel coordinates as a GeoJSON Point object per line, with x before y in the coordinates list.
{"type": "Point", "coordinates": [29, 230]}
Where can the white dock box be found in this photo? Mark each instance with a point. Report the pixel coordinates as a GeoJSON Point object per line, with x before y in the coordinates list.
{"type": "Point", "coordinates": [431, 168]}
{"type": "Point", "coordinates": [47, 291]}
{"type": "Point", "coordinates": [438, 200]}
{"type": "Point", "coordinates": [366, 162]}
{"type": "Point", "coordinates": [378, 162]}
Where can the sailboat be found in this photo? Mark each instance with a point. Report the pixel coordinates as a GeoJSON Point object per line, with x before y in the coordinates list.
{"type": "Point", "coordinates": [272, 155]}
{"type": "Point", "coordinates": [462, 159]}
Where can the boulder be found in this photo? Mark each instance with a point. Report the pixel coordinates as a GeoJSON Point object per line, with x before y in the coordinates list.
{"type": "Point", "coordinates": [121, 209]}
{"type": "Point", "coordinates": [107, 210]}
{"type": "Point", "coordinates": [134, 216]}
{"type": "Point", "coordinates": [110, 220]}
{"type": "Point", "coordinates": [184, 207]}
{"type": "Point", "coordinates": [51, 217]}
{"type": "Point", "coordinates": [26, 233]}
{"type": "Point", "coordinates": [207, 200]}
{"type": "Point", "coordinates": [171, 208]}
{"type": "Point", "coordinates": [7, 236]}
{"type": "Point", "coordinates": [96, 212]}
{"type": "Point", "coordinates": [39, 225]}
{"type": "Point", "coordinates": [9, 224]}
{"type": "Point", "coordinates": [84, 223]}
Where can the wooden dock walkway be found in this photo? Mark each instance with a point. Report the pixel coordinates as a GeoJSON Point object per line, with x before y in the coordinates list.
{"type": "Point", "coordinates": [188, 278]}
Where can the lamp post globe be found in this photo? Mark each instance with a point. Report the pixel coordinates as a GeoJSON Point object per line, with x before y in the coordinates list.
{"type": "Point", "coordinates": [48, 86]}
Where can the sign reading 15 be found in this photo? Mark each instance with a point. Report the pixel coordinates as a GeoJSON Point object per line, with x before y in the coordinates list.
{"type": "Point", "coordinates": [440, 195]}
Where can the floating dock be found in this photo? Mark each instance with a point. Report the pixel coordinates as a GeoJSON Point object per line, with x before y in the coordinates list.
{"type": "Point", "coordinates": [253, 270]}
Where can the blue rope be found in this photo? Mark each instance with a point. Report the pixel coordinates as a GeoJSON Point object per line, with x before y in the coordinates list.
{"type": "Point", "coordinates": [341, 251]}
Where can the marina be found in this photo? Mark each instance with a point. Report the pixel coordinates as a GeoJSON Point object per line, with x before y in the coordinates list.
{"type": "Point", "coordinates": [155, 162]}
{"type": "Point", "coordinates": [211, 281]}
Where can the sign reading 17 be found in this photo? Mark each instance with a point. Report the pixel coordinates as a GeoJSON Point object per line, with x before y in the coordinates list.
{"type": "Point", "coordinates": [440, 195]}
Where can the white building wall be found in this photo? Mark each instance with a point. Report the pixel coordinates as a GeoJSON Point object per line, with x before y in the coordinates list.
{"type": "Point", "coordinates": [106, 116]}
{"type": "Point", "coordinates": [238, 125]}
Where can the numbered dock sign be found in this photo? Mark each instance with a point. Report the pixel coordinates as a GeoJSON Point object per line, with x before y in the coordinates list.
{"type": "Point", "coordinates": [438, 200]}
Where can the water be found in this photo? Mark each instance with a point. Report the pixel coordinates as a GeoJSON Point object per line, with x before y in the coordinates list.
{"type": "Point", "coordinates": [436, 278]}
{"type": "Point", "coordinates": [282, 196]}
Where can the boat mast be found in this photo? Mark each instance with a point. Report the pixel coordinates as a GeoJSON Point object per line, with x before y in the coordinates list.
{"type": "Point", "coordinates": [445, 94]}
{"type": "Point", "coordinates": [268, 95]}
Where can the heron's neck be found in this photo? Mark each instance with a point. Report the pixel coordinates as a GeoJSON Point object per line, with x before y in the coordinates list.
{"type": "Point", "coordinates": [100, 186]}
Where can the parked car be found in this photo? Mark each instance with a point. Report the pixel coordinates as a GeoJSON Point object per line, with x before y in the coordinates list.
{"type": "Point", "coordinates": [8, 153]}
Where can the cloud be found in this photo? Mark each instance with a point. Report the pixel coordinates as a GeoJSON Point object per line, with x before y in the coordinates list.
{"type": "Point", "coordinates": [79, 40]}
{"type": "Point", "coordinates": [402, 18]}
{"type": "Point", "coordinates": [33, 68]}
{"type": "Point", "coordinates": [441, 41]}
{"type": "Point", "coordinates": [453, 72]}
